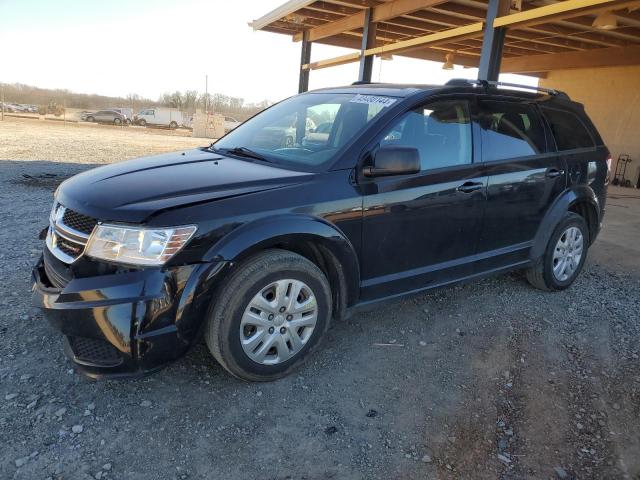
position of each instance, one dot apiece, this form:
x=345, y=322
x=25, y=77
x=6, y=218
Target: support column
x=493, y=41
x=305, y=58
x=368, y=41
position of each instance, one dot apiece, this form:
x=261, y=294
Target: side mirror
x=394, y=160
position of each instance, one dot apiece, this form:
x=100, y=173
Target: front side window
x=510, y=130
x=441, y=132
x=568, y=130
x=287, y=133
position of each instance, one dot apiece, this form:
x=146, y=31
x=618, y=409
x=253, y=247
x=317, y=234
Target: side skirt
x=372, y=304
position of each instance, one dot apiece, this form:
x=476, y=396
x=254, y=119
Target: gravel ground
x=490, y=379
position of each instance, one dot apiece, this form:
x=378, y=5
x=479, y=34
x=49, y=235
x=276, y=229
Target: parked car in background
x=318, y=135
x=159, y=116
x=105, y=116
x=258, y=246
x=230, y=123
x=127, y=112
x=283, y=133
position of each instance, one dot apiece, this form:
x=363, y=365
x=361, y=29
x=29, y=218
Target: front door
x=526, y=175
x=422, y=229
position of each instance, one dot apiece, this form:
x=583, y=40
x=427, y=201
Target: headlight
x=137, y=246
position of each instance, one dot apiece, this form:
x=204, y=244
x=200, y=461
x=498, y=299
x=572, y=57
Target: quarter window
x=568, y=130
x=440, y=131
x=510, y=130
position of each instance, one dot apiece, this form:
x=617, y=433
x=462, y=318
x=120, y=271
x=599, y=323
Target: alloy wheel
x=567, y=254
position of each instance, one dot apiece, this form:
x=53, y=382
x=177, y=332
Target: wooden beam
x=382, y=12
x=280, y=12
x=555, y=33
x=560, y=11
x=467, y=31
x=333, y=62
x=601, y=57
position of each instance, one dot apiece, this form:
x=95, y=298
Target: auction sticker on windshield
x=373, y=100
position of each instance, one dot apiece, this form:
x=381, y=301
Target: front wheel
x=117, y=121
x=269, y=316
x=564, y=256
x=173, y=125
x=142, y=123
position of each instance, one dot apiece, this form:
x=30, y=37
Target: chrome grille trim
x=59, y=233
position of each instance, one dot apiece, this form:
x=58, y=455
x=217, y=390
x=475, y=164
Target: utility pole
x=206, y=94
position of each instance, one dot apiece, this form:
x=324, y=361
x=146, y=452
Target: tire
x=542, y=275
x=127, y=122
x=173, y=125
x=117, y=121
x=91, y=119
x=142, y=123
x=227, y=320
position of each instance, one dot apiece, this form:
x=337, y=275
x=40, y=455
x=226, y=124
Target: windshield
x=306, y=132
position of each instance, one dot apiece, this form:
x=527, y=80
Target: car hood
x=134, y=190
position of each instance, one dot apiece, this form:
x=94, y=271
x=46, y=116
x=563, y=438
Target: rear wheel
x=173, y=125
x=269, y=316
x=564, y=256
x=117, y=121
x=90, y=119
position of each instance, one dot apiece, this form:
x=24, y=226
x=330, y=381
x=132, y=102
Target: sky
x=150, y=47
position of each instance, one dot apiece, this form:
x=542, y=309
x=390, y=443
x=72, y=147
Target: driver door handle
x=468, y=187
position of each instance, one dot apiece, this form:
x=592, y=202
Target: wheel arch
x=314, y=238
x=581, y=200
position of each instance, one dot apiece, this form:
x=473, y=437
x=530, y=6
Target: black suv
x=259, y=240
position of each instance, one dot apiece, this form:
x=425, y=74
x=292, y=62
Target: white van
x=166, y=117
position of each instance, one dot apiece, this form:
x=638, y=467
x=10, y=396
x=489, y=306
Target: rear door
x=422, y=229
x=525, y=175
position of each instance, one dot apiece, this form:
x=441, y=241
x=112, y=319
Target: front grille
x=70, y=248
x=68, y=233
x=78, y=221
x=91, y=351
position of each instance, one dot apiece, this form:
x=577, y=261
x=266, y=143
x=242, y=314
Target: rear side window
x=569, y=131
x=510, y=130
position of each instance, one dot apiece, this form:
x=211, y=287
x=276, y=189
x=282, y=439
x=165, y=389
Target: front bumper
x=131, y=323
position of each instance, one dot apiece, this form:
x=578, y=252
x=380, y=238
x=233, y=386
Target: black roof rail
x=363, y=82
x=487, y=84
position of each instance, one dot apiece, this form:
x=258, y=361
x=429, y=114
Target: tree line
x=188, y=101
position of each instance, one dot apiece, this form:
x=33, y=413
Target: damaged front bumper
x=127, y=323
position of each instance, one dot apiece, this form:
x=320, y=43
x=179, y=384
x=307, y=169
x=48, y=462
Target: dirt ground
x=487, y=380
x=30, y=139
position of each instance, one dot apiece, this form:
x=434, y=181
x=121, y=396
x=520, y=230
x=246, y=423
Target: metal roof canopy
x=511, y=36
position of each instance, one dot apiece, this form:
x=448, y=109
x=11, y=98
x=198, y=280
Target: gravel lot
x=491, y=379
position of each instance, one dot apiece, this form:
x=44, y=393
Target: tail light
x=609, y=160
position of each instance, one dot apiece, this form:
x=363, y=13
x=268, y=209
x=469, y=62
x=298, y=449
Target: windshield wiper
x=245, y=152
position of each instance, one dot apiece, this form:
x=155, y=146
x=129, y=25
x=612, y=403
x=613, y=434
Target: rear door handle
x=468, y=187
x=554, y=172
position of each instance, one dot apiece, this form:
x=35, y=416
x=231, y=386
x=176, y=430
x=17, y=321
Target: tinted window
x=568, y=130
x=440, y=131
x=510, y=130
